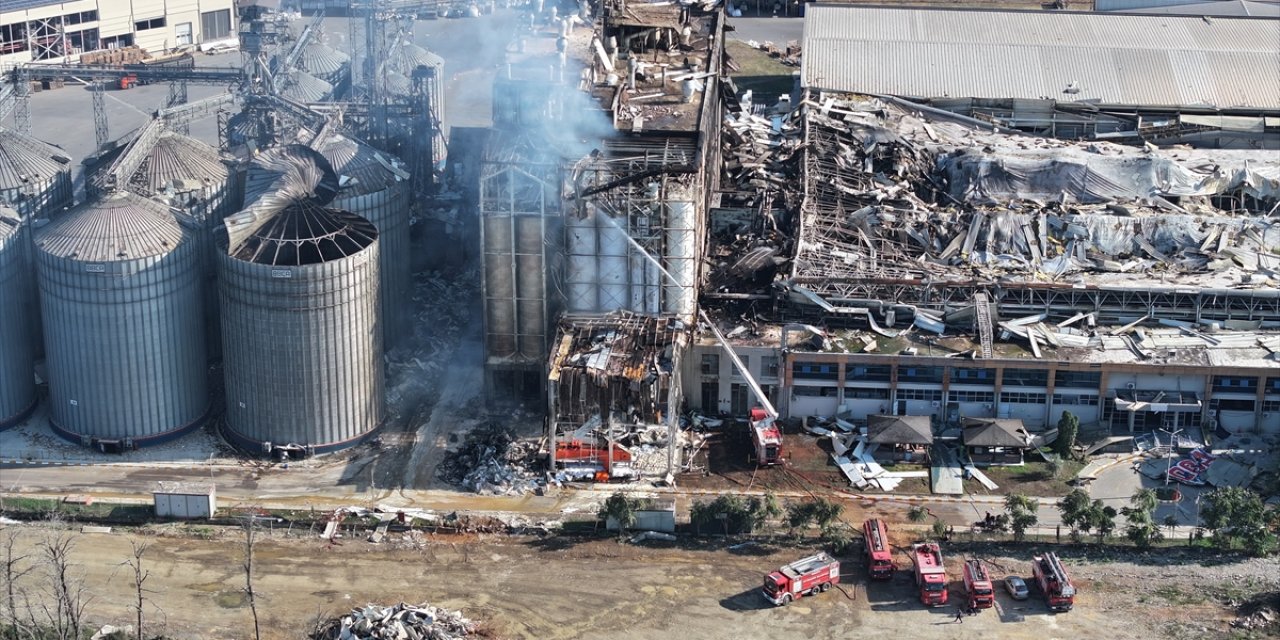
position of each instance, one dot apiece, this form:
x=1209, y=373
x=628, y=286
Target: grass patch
x=763, y=74
x=1032, y=478
x=1175, y=595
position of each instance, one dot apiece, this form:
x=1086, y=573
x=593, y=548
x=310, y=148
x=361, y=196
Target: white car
x=1016, y=587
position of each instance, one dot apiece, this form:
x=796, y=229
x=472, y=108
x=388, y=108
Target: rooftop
x=1119, y=59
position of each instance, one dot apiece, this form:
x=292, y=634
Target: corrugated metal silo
x=300, y=311
x=326, y=63
x=408, y=57
x=35, y=178
x=119, y=283
x=376, y=187
x=17, y=337
x=190, y=176
x=303, y=87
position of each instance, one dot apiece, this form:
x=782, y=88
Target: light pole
x=1169, y=455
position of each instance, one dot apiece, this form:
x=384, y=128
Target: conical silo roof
x=25, y=160
x=117, y=226
x=360, y=168
x=409, y=56
x=398, y=84
x=178, y=158
x=321, y=60
x=304, y=87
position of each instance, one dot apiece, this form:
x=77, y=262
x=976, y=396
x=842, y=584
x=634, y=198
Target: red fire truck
x=931, y=577
x=1056, y=586
x=801, y=578
x=766, y=438
x=879, y=556
x=977, y=585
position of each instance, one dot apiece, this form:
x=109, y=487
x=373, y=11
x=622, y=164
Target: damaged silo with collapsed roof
x=300, y=312
x=120, y=294
x=35, y=178
x=376, y=187
x=17, y=335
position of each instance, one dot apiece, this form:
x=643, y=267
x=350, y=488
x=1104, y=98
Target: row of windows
x=1085, y=400
x=985, y=397
x=919, y=394
x=1018, y=397
x=1234, y=384
x=1270, y=406
x=153, y=23
x=710, y=365
x=1224, y=404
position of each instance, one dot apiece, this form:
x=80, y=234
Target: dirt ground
x=562, y=588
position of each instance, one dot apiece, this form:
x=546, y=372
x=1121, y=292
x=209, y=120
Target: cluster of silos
x=299, y=284
x=191, y=177
x=120, y=294
x=17, y=333
x=406, y=60
x=376, y=187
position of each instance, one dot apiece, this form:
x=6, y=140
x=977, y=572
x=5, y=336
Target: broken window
x=919, y=374
x=1229, y=404
x=869, y=373
x=1232, y=384
x=801, y=391
x=710, y=364
x=769, y=366
x=859, y=393
x=966, y=375
x=814, y=371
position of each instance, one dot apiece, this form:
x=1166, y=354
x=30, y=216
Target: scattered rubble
x=401, y=622
x=492, y=462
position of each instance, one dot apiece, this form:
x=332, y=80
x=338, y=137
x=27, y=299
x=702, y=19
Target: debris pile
x=1261, y=613
x=402, y=622
x=492, y=462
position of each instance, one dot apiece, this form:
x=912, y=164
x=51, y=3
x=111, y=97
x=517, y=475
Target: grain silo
x=17, y=336
x=191, y=177
x=35, y=178
x=326, y=63
x=405, y=59
x=300, y=312
x=119, y=283
x=301, y=86
x=376, y=187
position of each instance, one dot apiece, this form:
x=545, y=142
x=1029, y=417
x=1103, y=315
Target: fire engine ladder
x=742, y=368
x=982, y=313
x=1055, y=568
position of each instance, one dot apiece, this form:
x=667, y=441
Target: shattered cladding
x=17, y=385
x=300, y=315
x=123, y=321
x=1069, y=56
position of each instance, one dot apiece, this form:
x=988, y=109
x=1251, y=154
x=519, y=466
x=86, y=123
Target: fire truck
x=1054, y=583
x=801, y=578
x=765, y=438
x=931, y=577
x=879, y=556
x=977, y=585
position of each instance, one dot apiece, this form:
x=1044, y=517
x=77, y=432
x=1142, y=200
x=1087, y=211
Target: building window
x=868, y=373
x=813, y=392
x=118, y=42
x=153, y=23
x=1026, y=378
x=1271, y=406
x=215, y=25
x=814, y=371
x=13, y=38
x=859, y=393
x=964, y=375
x=1232, y=384
x=920, y=394
x=1226, y=404
x=746, y=362
x=1086, y=400
x=1077, y=379
x=81, y=41
x=78, y=18
x=919, y=374
x=769, y=366
x=1273, y=386
x=710, y=364
x=183, y=33
x=985, y=397
x=1018, y=397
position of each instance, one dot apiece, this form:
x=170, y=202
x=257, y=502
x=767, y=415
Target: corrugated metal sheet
x=35, y=178
x=304, y=87
x=124, y=322
x=409, y=56
x=1115, y=59
x=1222, y=8
x=303, y=354
x=17, y=340
x=176, y=161
x=324, y=62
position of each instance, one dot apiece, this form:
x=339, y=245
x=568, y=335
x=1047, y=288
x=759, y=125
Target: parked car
x=1016, y=587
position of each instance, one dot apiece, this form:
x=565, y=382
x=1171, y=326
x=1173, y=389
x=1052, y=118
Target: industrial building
x=55, y=31
x=1072, y=233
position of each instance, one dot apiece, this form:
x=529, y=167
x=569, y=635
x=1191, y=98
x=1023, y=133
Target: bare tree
x=140, y=576
x=15, y=567
x=250, y=524
x=65, y=609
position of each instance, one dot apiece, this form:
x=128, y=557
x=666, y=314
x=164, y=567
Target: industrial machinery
x=931, y=576
x=875, y=538
x=977, y=585
x=1054, y=583
x=803, y=577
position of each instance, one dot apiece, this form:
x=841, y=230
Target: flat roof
x=1120, y=59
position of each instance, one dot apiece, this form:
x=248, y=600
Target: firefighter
x=960, y=615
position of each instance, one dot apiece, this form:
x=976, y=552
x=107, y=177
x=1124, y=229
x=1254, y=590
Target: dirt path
x=601, y=589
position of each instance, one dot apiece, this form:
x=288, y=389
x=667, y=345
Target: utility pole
x=1169, y=454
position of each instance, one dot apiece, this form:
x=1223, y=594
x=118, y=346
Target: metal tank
x=326, y=63
x=408, y=57
x=119, y=283
x=301, y=86
x=376, y=187
x=191, y=177
x=17, y=337
x=300, y=312
x=35, y=178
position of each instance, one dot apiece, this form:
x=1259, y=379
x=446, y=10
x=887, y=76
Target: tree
x=764, y=510
x=1022, y=514
x=734, y=514
x=250, y=529
x=13, y=567
x=939, y=528
x=69, y=598
x=1074, y=508
x=821, y=511
x=621, y=508
x=1237, y=515
x=917, y=514
x=140, y=576
x=1100, y=519
x=1068, y=429
x=1142, y=529
x=1171, y=521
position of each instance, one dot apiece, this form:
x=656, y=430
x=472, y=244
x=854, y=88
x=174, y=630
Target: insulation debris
x=401, y=622
x=491, y=462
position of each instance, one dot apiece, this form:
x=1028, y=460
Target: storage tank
x=35, y=178
x=300, y=312
x=17, y=338
x=326, y=63
x=376, y=187
x=404, y=60
x=191, y=177
x=119, y=283
x=301, y=86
